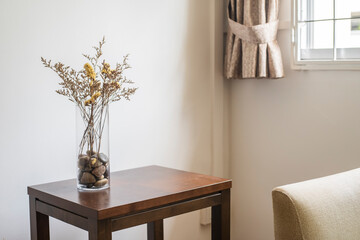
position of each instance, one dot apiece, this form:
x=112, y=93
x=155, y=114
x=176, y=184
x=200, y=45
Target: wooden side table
x=136, y=196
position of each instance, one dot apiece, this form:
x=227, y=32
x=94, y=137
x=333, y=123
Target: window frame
x=326, y=64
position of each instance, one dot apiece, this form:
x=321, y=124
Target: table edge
x=160, y=201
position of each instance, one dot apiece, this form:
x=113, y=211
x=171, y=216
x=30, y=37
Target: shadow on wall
x=195, y=109
x=196, y=105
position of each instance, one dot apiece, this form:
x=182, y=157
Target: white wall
x=168, y=121
x=304, y=126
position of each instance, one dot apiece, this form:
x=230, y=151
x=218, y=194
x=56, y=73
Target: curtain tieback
x=261, y=33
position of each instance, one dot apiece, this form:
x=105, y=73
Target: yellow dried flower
x=92, y=99
x=90, y=73
x=115, y=84
x=106, y=69
x=88, y=102
x=96, y=95
x=106, y=65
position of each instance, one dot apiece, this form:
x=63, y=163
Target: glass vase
x=92, y=139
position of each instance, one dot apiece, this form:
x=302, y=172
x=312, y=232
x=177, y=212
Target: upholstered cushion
x=325, y=208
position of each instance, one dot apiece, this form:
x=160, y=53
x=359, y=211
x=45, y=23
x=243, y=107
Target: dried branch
x=92, y=89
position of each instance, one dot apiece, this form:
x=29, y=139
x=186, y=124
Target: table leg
x=155, y=230
x=39, y=223
x=100, y=230
x=220, y=218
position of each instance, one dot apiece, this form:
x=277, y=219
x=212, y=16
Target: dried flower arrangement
x=92, y=89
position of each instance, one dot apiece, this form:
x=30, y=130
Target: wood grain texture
x=62, y=215
x=220, y=218
x=39, y=223
x=165, y=212
x=155, y=230
x=100, y=229
x=130, y=191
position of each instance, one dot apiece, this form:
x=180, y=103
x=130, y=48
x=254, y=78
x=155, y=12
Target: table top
x=130, y=191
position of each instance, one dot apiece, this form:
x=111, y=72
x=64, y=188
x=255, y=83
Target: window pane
x=347, y=39
x=347, y=8
x=315, y=10
x=316, y=40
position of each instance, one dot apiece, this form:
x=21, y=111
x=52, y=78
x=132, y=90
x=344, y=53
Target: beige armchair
x=325, y=208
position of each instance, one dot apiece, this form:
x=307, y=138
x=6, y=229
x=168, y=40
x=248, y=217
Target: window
x=326, y=34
